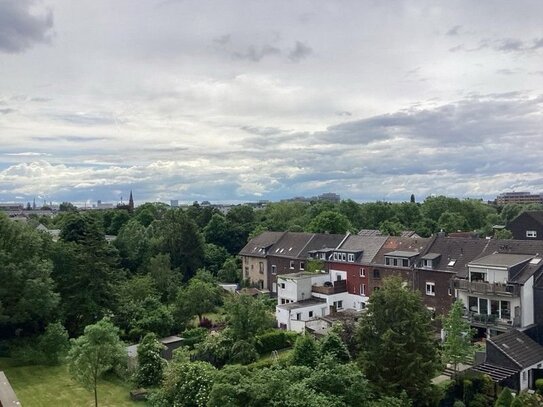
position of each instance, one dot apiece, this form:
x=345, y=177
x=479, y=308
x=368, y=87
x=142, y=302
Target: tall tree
x=330, y=222
x=457, y=347
x=96, y=352
x=247, y=316
x=197, y=298
x=397, y=350
x=150, y=362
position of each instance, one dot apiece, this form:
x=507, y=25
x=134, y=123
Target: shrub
x=193, y=336
x=459, y=403
x=274, y=340
x=205, y=323
x=54, y=344
x=539, y=386
x=243, y=352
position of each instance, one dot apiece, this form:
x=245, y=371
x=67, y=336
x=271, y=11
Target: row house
x=254, y=258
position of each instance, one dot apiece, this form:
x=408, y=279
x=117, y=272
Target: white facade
x=294, y=316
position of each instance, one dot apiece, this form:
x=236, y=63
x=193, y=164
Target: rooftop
x=401, y=253
x=519, y=347
x=501, y=260
x=303, y=304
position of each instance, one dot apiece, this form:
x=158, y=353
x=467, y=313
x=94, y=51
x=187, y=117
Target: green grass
x=38, y=386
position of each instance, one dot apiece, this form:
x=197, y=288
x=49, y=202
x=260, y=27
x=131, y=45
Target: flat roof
x=299, y=275
x=303, y=304
x=401, y=253
x=431, y=256
x=501, y=260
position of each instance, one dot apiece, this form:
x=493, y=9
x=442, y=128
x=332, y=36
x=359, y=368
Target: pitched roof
x=263, y=240
x=519, y=347
x=369, y=245
x=320, y=241
x=537, y=216
x=376, y=232
x=403, y=244
x=290, y=244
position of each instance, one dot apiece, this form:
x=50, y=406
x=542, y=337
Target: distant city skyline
x=236, y=100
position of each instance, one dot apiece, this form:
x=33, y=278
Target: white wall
x=289, y=316
x=335, y=273
x=527, y=302
x=493, y=275
x=350, y=301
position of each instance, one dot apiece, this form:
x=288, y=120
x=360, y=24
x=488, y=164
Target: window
x=335, y=256
x=252, y=267
x=302, y=265
x=292, y=264
x=449, y=291
x=405, y=263
x=310, y=314
x=350, y=257
x=338, y=304
x=299, y=316
x=274, y=269
x=343, y=256
x=387, y=261
x=323, y=256
x=362, y=272
x=430, y=288
x=362, y=289
x=261, y=267
x=451, y=262
x=531, y=233
x=282, y=285
x=246, y=271
x=283, y=301
x=376, y=274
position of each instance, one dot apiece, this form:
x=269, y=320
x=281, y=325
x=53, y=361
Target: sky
x=234, y=101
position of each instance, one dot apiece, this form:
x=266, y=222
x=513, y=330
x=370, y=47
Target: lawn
x=47, y=386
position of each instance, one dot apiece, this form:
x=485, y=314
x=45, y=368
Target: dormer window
x=343, y=256
x=350, y=257
x=531, y=233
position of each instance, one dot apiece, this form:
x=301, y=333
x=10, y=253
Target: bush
x=192, y=337
x=243, y=352
x=539, y=386
x=459, y=403
x=274, y=340
x=205, y=323
x=54, y=344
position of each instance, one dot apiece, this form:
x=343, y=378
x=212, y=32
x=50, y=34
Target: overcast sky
x=246, y=100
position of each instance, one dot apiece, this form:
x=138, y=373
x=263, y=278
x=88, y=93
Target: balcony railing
x=491, y=320
x=334, y=288
x=483, y=287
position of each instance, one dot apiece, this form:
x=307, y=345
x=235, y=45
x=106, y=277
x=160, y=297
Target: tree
x=333, y=346
x=230, y=271
x=67, y=207
x=330, y=222
x=166, y=280
x=457, y=346
x=451, y=222
x=96, y=352
x=503, y=234
x=392, y=228
x=305, y=352
x=150, y=363
x=214, y=257
x=395, y=336
x=247, y=316
x=133, y=245
x=197, y=298
x=54, y=343
x=185, y=384
x=505, y=398
x=412, y=199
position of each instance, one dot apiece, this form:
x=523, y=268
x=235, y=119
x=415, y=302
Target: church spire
x=131, y=202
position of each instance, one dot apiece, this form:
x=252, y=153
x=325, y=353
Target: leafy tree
x=54, y=343
x=96, y=352
x=28, y=300
x=330, y=222
x=510, y=212
x=179, y=237
x=280, y=216
x=457, y=346
x=150, y=362
x=333, y=346
x=166, y=280
x=247, y=316
x=67, y=207
x=80, y=228
x=374, y=213
x=392, y=228
x=503, y=234
x=396, y=347
x=315, y=265
x=133, y=245
x=214, y=257
x=118, y=220
x=244, y=352
x=217, y=231
x=352, y=211
x=505, y=398
x=230, y=271
x=451, y=222
x=197, y=298
x=305, y=352
x=185, y=384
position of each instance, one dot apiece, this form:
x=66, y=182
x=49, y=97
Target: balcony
x=483, y=287
x=485, y=320
x=329, y=288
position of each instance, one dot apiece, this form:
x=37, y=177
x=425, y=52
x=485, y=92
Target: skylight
x=535, y=260
x=451, y=263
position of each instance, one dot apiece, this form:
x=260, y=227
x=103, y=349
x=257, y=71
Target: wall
x=443, y=299
x=354, y=281
x=527, y=302
x=521, y=224
x=251, y=270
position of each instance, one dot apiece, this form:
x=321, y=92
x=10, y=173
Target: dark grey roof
x=501, y=260
x=302, y=304
x=537, y=216
x=519, y=347
x=527, y=271
x=496, y=373
x=398, y=243
x=402, y=253
x=263, y=240
x=431, y=256
x=290, y=244
x=321, y=241
x=375, y=232
x=369, y=245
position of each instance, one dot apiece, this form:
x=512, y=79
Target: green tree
x=133, y=245
x=185, y=384
x=197, y=298
x=330, y=222
x=54, y=343
x=503, y=234
x=244, y=352
x=457, y=346
x=451, y=222
x=395, y=336
x=505, y=398
x=96, y=352
x=392, y=228
x=230, y=271
x=247, y=316
x=305, y=352
x=150, y=362
x=333, y=346
x=166, y=280
x=214, y=257
x=67, y=207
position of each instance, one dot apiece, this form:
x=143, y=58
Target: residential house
x=527, y=226
x=254, y=258
x=513, y=360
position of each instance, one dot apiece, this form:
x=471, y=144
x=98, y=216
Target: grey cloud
x=506, y=45
x=255, y=54
x=453, y=31
x=506, y=71
x=261, y=131
x=21, y=27
x=87, y=119
x=7, y=111
x=223, y=39
x=75, y=139
x=300, y=51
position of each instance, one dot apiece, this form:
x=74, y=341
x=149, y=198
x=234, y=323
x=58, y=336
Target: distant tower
x=131, y=202
x=34, y=204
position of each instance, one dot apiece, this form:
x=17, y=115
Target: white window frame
x=291, y=265
x=431, y=288
x=350, y=257
x=531, y=233
x=310, y=314
x=274, y=269
x=343, y=256
x=362, y=272
x=362, y=289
